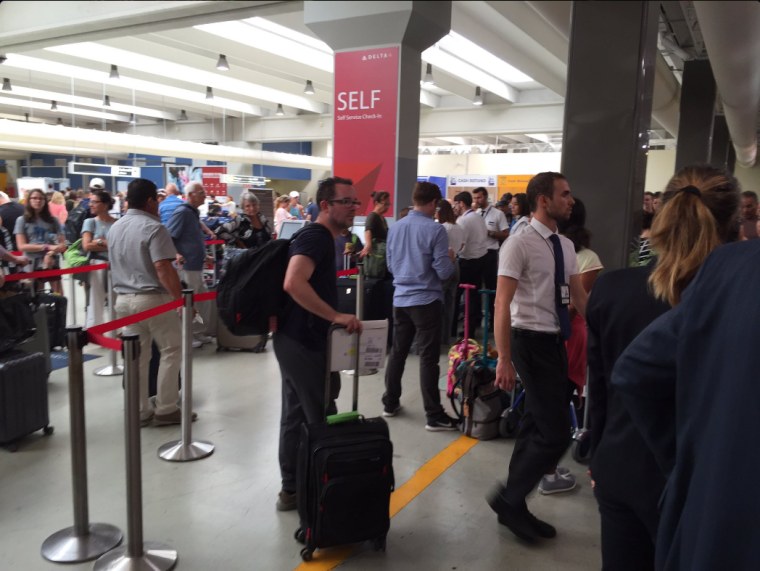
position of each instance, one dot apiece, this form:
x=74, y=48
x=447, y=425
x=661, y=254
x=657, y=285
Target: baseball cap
x=294, y=194
x=97, y=184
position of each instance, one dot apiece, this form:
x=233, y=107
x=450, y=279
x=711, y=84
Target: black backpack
x=73, y=226
x=250, y=292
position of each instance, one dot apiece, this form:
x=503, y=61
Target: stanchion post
x=136, y=554
x=215, y=272
x=186, y=449
x=113, y=369
x=73, y=299
x=84, y=541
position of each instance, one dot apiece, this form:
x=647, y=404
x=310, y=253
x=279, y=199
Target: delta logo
x=377, y=56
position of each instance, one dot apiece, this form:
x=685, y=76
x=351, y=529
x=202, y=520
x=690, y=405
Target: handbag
x=374, y=263
x=74, y=256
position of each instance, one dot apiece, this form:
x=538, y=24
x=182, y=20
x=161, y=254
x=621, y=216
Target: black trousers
x=425, y=320
x=628, y=533
x=490, y=270
x=471, y=272
x=303, y=398
x=541, y=361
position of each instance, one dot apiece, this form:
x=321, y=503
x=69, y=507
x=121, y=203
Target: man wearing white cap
x=295, y=208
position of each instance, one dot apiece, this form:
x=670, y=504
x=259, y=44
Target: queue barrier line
x=41, y=274
x=330, y=557
x=95, y=333
x=344, y=273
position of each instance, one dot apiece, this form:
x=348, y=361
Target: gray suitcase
x=40, y=341
x=226, y=341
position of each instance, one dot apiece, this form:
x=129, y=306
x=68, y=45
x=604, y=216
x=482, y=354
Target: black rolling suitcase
x=55, y=306
x=344, y=478
x=23, y=397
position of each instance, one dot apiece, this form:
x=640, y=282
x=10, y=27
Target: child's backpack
x=250, y=291
x=73, y=226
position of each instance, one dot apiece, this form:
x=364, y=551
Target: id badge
x=564, y=294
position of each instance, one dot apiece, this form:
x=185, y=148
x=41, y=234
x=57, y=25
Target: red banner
x=366, y=111
x=212, y=181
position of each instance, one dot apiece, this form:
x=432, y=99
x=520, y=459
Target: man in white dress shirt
x=497, y=230
x=538, y=278
x=472, y=258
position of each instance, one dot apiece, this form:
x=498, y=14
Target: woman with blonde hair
x=57, y=206
x=281, y=212
x=632, y=416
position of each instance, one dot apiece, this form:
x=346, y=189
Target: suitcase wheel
x=510, y=423
x=582, y=446
x=306, y=554
x=48, y=430
x=378, y=543
x=300, y=536
x=12, y=447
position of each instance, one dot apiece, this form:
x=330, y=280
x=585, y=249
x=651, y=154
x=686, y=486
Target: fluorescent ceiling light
x=167, y=69
x=29, y=104
x=68, y=71
x=463, y=48
x=91, y=102
x=71, y=140
x=458, y=67
x=278, y=40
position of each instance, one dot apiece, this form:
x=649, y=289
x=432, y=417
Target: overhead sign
x=472, y=180
x=104, y=170
x=244, y=179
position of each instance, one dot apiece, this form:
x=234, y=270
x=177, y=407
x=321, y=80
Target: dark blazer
x=703, y=359
x=619, y=308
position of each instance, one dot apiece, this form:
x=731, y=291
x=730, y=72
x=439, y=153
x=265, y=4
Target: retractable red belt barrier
x=40, y=274
x=344, y=273
x=214, y=242
x=95, y=333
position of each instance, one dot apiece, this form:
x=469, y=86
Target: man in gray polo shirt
x=141, y=254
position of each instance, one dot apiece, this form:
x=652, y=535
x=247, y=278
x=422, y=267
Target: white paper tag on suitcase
x=373, y=341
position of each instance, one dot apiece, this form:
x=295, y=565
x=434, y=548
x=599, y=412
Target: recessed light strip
x=64, y=70
x=185, y=73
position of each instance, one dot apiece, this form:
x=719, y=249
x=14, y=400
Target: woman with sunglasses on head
x=630, y=460
x=95, y=244
x=39, y=235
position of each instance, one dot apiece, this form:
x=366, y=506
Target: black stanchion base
x=65, y=546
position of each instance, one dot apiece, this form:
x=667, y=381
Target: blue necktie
x=559, y=278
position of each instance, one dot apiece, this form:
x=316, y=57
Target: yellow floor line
x=327, y=559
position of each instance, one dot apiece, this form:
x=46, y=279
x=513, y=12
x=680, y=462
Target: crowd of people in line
x=654, y=338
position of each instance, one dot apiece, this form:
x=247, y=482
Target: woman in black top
x=376, y=227
x=250, y=229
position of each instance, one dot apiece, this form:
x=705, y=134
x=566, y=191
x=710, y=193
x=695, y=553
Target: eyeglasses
x=346, y=202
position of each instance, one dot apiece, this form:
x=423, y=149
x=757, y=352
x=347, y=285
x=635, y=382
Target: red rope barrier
x=54, y=273
x=207, y=296
x=214, y=242
x=134, y=318
x=343, y=273
x=103, y=341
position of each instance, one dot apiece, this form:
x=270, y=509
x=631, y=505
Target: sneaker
x=286, y=501
x=562, y=471
x=197, y=344
x=560, y=483
x=205, y=339
x=146, y=419
x=389, y=411
x=171, y=418
x=441, y=423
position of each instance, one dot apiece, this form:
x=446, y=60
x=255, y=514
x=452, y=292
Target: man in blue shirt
x=169, y=204
x=185, y=228
x=419, y=258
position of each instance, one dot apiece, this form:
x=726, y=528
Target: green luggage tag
x=342, y=417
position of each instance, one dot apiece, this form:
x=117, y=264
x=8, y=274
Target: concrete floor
x=218, y=513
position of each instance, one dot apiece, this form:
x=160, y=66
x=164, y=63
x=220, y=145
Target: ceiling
x=166, y=54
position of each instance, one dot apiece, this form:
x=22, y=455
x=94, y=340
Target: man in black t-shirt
x=300, y=343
